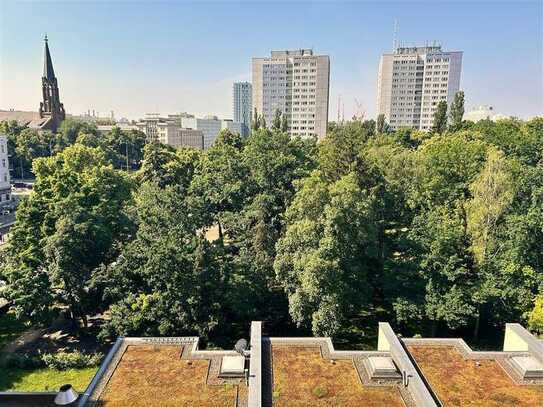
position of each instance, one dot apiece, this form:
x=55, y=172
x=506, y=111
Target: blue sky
x=137, y=57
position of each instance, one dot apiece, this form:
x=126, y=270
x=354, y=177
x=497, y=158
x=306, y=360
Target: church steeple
x=48, y=71
x=51, y=106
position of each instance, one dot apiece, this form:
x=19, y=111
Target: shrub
x=320, y=392
x=535, y=317
x=67, y=360
x=21, y=361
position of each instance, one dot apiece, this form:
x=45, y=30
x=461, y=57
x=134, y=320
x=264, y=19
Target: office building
x=210, y=127
x=297, y=84
x=172, y=134
x=159, y=128
x=242, y=105
x=413, y=80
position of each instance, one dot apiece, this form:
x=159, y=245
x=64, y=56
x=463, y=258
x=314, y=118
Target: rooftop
x=479, y=381
x=303, y=377
x=167, y=374
x=296, y=372
x=148, y=374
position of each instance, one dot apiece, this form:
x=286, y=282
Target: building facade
x=5, y=184
x=210, y=126
x=413, y=80
x=243, y=105
x=483, y=112
x=172, y=134
x=297, y=84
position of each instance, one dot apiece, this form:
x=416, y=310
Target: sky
x=175, y=56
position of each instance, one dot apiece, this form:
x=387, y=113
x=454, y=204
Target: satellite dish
x=241, y=346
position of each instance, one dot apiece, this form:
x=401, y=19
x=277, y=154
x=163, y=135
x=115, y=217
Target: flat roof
x=302, y=377
x=149, y=375
x=459, y=381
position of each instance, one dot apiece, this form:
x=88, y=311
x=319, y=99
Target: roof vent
x=66, y=395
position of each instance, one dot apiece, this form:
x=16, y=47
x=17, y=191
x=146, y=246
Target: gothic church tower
x=50, y=107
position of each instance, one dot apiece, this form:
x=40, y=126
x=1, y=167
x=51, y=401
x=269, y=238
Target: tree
x=493, y=192
x=31, y=144
x=70, y=129
x=535, y=319
x=164, y=165
x=440, y=118
x=381, y=126
x=69, y=226
x=276, y=125
x=323, y=260
x=256, y=120
x=284, y=124
x=457, y=111
x=220, y=181
x=168, y=280
x=262, y=122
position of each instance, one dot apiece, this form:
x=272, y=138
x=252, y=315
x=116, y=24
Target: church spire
x=48, y=71
x=51, y=107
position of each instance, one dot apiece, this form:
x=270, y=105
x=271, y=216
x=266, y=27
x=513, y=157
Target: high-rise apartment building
x=296, y=83
x=243, y=105
x=413, y=80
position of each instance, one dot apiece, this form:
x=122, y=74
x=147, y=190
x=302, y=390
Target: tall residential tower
x=413, y=80
x=243, y=94
x=297, y=84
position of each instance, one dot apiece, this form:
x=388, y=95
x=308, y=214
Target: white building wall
x=297, y=84
x=5, y=184
x=412, y=81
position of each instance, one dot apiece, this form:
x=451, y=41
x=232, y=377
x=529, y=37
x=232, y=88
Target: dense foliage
x=433, y=231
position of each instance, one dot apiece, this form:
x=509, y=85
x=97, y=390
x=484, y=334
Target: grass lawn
x=45, y=379
x=10, y=328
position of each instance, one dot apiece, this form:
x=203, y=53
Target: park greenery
x=436, y=232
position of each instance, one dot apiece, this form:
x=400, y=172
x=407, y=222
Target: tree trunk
x=477, y=324
x=433, y=329
x=220, y=229
x=85, y=320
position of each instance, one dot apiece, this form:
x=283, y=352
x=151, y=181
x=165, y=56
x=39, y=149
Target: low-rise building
x=483, y=112
x=153, y=125
x=106, y=128
x=172, y=134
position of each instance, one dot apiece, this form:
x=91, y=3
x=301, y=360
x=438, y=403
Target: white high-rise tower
x=413, y=80
x=297, y=83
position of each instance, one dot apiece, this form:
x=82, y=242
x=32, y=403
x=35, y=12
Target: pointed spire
x=48, y=71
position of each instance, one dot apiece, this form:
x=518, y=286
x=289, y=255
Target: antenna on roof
x=395, y=35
